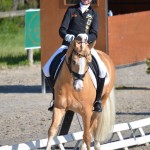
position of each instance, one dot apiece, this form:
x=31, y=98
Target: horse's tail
x=106, y=119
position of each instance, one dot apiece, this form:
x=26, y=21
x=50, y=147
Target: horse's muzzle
x=78, y=85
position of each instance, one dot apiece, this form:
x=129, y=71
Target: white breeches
x=101, y=65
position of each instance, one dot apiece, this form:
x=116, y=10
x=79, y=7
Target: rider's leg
x=51, y=84
x=100, y=81
x=99, y=91
x=46, y=69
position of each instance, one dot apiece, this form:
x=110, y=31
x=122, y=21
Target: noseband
x=76, y=75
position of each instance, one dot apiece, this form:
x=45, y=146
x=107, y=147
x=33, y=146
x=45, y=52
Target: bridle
x=74, y=74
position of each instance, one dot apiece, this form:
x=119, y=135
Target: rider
x=81, y=20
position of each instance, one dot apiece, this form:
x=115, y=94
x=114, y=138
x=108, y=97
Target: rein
x=76, y=75
x=80, y=55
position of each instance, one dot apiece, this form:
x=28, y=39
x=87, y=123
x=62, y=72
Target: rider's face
x=85, y=2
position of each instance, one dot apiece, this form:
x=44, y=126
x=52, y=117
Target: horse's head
x=78, y=60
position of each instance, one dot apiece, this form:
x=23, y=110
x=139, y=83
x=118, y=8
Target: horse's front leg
x=57, y=116
x=94, y=122
x=86, y=116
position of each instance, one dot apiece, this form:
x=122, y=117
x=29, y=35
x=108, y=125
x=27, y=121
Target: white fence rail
x=12, y=13
x=134, y=140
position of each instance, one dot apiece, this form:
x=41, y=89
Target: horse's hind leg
x=97, y=145
x=57, y=116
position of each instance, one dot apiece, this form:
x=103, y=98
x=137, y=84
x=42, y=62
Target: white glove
x=69, y=37
x=83, y=36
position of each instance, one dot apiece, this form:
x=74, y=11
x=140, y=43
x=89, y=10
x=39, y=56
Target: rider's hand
x=84, y=36
x=69, y=37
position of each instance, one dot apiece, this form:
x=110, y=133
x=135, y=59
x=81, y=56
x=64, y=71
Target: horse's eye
x=73, y=62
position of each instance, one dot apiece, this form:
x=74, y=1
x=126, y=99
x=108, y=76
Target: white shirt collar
x=84, y=7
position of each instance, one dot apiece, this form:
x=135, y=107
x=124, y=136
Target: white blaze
x=81, y=65
x=78, y=84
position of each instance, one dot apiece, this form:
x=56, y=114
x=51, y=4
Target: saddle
x=57, y=64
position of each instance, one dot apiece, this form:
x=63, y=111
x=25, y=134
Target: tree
x=17, y=4
x=25, y=4
x=33, y=3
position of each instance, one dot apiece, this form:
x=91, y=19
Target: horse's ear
x=91, y=45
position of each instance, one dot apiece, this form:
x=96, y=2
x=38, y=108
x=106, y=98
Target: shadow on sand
x=20, y=89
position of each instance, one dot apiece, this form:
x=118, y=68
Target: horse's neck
x=65, y=75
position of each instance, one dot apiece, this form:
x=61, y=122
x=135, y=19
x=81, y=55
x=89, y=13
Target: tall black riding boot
x=51, y=84
x=98, y=101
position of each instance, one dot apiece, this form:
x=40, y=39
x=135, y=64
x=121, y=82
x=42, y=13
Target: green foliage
x=19, y=59
x=33, y=3
x=12, y=52
x=11, y=25
x=30, y=4
x=148, y=64
x=6, y=5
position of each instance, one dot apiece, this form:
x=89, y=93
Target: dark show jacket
x=74, y=22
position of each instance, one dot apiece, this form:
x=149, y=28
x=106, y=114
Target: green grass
x=12, y=52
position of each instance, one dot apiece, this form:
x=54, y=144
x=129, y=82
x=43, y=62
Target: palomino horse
x=74, y=90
